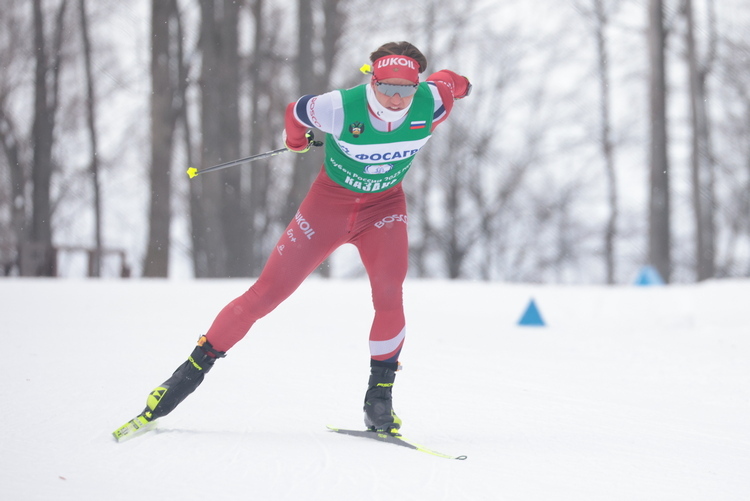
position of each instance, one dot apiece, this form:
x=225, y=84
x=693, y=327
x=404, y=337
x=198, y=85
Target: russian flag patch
x=418, y=124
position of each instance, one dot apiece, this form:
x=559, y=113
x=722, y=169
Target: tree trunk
x=18, y=199
x=605, y=141
x=219, y=236
x=163, y=93
x=95, y=265
x=701, y=156
x=234, y=208
x=260, y=75
x=659, y=204
x=38, y=258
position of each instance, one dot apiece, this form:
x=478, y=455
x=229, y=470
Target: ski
x=393, y=438
x=133, y=428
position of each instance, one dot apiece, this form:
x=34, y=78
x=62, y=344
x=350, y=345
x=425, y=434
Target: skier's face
x=395, y=102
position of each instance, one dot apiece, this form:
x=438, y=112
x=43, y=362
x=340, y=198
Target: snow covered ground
x=627, y=393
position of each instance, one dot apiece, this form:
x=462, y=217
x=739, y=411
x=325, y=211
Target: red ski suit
x=330, y=216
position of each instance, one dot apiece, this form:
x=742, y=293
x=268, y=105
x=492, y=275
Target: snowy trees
x=572, y=160
x=49, y=134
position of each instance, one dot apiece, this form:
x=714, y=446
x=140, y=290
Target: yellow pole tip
x=192, y=172
x=366, y=68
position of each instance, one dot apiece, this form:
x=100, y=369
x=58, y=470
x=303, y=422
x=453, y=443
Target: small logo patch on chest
x=357, y=128
x=378, y=169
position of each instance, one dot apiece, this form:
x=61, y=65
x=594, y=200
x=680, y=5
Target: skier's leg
x=383, y=249
x=231, y=324
x=384, y=252
x=317, y=229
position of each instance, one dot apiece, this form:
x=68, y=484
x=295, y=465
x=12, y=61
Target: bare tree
x=10, y=138
x=605, y=138
x=702, y=162
x=260, y=85
x=659, y=240
x=219, y=236
x=733, y=154
x=164, y=92
x=38, y=258
x=95, y=264
x=599, y=12
x=17, y=194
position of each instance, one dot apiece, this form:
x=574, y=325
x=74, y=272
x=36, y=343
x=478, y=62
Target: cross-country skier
x=373, y=131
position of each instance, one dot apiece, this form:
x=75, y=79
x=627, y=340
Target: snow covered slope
x=627, y=393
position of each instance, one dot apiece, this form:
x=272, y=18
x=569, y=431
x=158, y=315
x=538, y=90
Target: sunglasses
x=391, y=90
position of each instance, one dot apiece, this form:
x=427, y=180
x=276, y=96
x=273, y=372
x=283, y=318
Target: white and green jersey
x=365, y=154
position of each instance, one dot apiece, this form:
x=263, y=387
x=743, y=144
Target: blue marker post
x=649, y=276
x=531, y=317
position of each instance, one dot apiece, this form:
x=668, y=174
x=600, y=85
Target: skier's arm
x=450, y=86
x=295, y=132
x=308, y=112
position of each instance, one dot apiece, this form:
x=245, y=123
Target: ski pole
x=192, y=171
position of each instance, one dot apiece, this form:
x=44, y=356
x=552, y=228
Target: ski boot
x=163, y=399
x=379, y=413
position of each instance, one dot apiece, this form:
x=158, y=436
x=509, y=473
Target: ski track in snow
x=627, y=393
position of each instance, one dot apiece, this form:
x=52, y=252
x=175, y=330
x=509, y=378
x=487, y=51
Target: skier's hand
x=309, y=137
x=461, y=86
x=458, y=85
x=467, y=90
